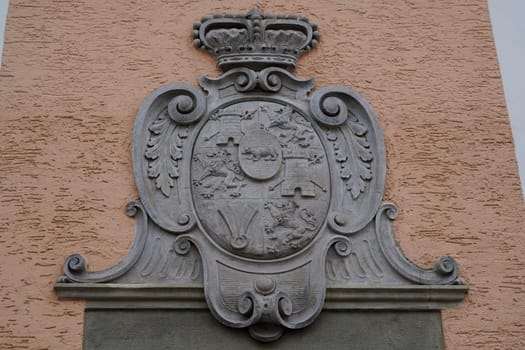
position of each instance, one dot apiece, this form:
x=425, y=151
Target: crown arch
x=255, y=40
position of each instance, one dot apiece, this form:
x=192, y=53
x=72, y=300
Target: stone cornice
x=358, y=297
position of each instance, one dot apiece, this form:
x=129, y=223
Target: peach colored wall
x=74, y=74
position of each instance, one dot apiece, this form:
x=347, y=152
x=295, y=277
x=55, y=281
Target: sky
x=508, y=27
x=3, y=15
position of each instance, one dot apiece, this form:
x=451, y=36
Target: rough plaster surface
x=75, y=73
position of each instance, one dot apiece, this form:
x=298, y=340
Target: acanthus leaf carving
x=161, y=136
x=164, y=150
x=164, y=263
x=354, y=137
x=361, y=265
x=349, y=137
x=354, y=156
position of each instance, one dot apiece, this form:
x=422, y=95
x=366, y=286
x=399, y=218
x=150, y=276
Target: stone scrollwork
x=258, y=190
x=164, y=147
x=161, y=153
x=328, y=106
x=271, y=79
x=357, y=149
x=182, y=245
x=187, y=106
x=164, y=151
x=75, y=266
x=343, y=246
x=445, y=270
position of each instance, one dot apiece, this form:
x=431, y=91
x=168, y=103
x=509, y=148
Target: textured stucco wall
x=74, y=74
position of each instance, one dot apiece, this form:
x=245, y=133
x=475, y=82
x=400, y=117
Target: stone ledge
x=356, y=297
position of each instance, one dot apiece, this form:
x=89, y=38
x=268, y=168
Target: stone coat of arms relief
x=259, y=188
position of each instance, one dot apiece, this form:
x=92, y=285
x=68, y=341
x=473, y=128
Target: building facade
x=74, y=75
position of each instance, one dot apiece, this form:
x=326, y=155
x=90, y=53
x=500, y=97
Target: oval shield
x=260, y=181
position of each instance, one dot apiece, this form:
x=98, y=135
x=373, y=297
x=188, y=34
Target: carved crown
x=255, y=40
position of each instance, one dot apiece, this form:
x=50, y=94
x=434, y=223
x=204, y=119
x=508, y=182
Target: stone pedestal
x=138, y=317
x=197, y=329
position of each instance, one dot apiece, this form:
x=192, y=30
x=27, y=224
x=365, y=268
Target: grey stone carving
x=257, y=189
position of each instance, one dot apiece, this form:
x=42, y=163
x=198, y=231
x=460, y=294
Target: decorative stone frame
x=335, y=250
